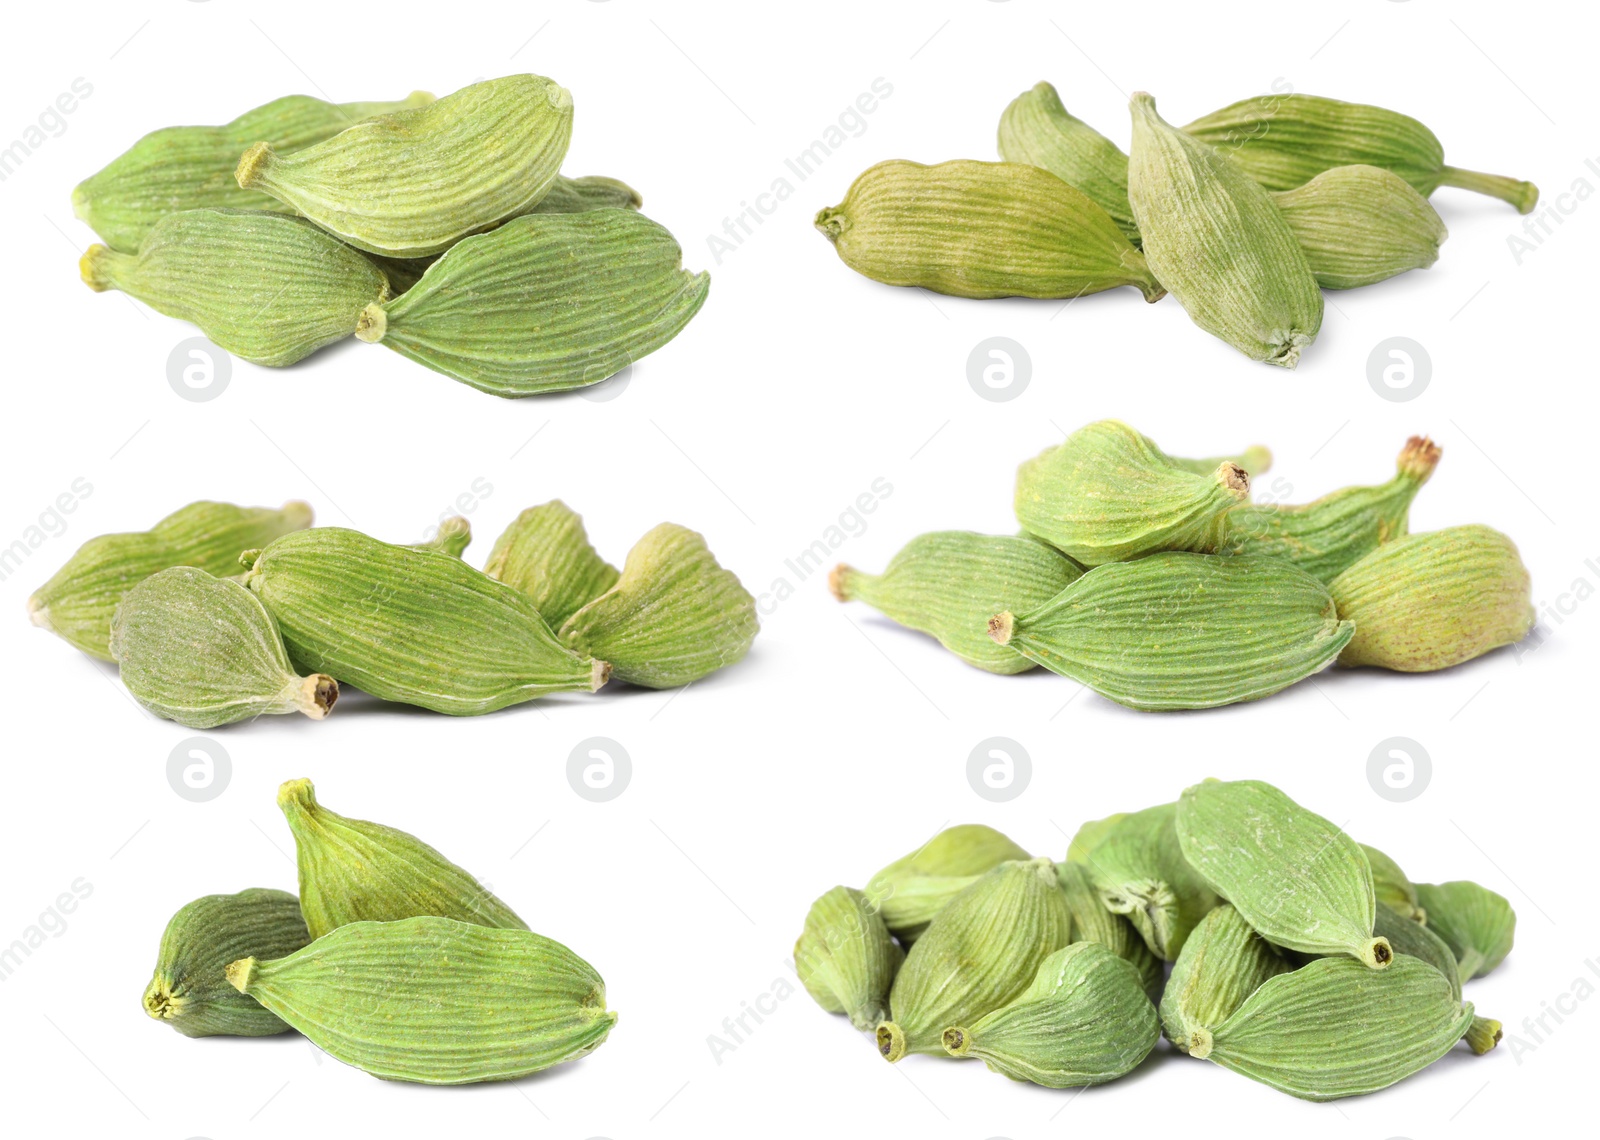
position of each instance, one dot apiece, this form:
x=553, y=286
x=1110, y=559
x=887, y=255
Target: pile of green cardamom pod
x=440, y=228
x=203, y=642
x=1244, y=216
x=1156, y=582
x=1298, y=957
x=392, y=959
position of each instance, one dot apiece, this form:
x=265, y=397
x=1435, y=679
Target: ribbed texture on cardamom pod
x=909, y=892
x=1391, y=887
x=545, y=553
x=1359, y=225
x=1037, y=130
x=590, y=192
x=1477, y=924
x=1222, y=963
x=846, y=958
x=1409, y=937
x=1092, y=922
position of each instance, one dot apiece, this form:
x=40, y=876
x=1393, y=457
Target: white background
x=842, y=741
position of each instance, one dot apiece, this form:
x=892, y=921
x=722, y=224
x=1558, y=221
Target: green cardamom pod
x=1183, y=631
x=435, y=1001
x=452, y=537
x=1359, y=225
x=1476, y=923
x=416, y=626
x=1294, y=876
x=80, y=600
x=1092, y=922
x=673, y=616
x=1216, y=240
x=909, y=892
x=846, y=958
x=1254, y=461
x=1286, y=140
x=948, y=583
x=1109, y=494
x=266, y=287
x=545, y=553
x=415, y=182
x=188, y=990
x=1083, y=1020
x=1430, y=601
x=1407, y=936
x=1037, y=130
x=1328, y=536
x=204, y=651
x=981, y=229
x=189, y=168
x=355, y=871
x=1393, y=889
x=978, y=953
x=544, y=303
x=1223, y=962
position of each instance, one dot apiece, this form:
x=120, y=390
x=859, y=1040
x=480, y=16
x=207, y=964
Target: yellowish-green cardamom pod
x=355, y=871
x=1256, y=460
x=416, y=626
x=948, y=583
x=204, y=651
x=1430, y=601
x=1215, y=239
x=1183, y=631
x=1477, y=924
x=1392, y=888
x=1294, y=876
x=435, y=1001
x=909, y=892
x=1223, y=962
x=545, y=553
x=981, y=229
x=846, y=958
x=1092, y=922
x=79, y=601
x=1083, y=1020
x=188, y=990
x=1359, y=225
x=979, y=952
x=414, y=182
x=673, y=616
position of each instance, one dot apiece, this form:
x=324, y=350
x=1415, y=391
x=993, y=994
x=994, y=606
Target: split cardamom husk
x=1092, y=922
x=909, y=892
x=1037, y=130
x=545, y=553
x=1477, y=924
x=1392, y=889
x=1359, y=225
x=1222, y=963
x=846, y=958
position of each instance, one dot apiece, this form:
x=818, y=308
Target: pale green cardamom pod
x=1215, y=239
x=1291, y=874
x=846, y=958
x=1223, y=962
x=1476, y=923
x=545, y=553
x=1092, y=922
x=1183, y=631
x=80, y=599
x=1359, y=225
x=948, y=583
x=413, y=183
x=1329, y=535
x=909, y=892
x=452, y=537
x=1083, y=1020
x=355, y=871
x=436, y=1001
x=1255, y=461
x=188, y=990
x=1407, y=936
x=673, y=616
x=544, y=303
x=266, y=287
x=981, y=229
x=1430, y=601
x=978, y=953
x=416, y=626
x=1392, y=888
x=1037, y=130
x=204, y=651
x=1109, y=494
x=188, y=168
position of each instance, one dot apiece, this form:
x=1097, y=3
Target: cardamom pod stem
x=1037, y=130
x=909, y=892
x=452, y=537
x=846, y=958
x=1484, y=1034
x=1523, y=195
x=545, y=553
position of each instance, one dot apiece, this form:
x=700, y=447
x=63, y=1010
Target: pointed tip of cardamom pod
x=1142, y=101
x=1200, y=1043
x=80, y=202
x=560, y=98
x=1483, y=1034
x=1420, y=916
x=298, y=513
x=317, y=696
x=1288, y=353
x=840, y=579
x=39, y=613
x=372, y=323
x=297, y=794
x=249, y=558
x=252, y=164
x=599, y=674
x=1377, y=954
x=92, y=265
x=1001, y=626
x=830, y=222
x=891, y=1041
x=957, y=1042
x=1419, y=457
x=240, y=974
x=162, y=1004
x=1234, y=479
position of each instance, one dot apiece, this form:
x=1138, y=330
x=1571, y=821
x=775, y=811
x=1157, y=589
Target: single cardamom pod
x=1333, y=1028
x=1430, y=601
x=1083, y=1020
x=1359, y=225
x=189, y=168
x=1183, y=631
x=947, y=584
x=435, y=1001
x=266, y=287
x=80, y=599
x=1291, y=874
x=452, y=536
x=544, y=303
x=1223, y=962
x=1092, y=922
x=1328, y=536
x=1215, y=239
x=415, y=182
x=1254, y=461
x=981, y=229
x=673, y=616
x=416, y=626
x=1109, y=494
x=846, y=958
x=1286, y=140
x=355, y=871
x=204, y=652
x=1037, y=130
x=1476, y=923
x=909, y=892
x=1393, y=889
x=545, y=553
x=188, y=990
x=979, y=952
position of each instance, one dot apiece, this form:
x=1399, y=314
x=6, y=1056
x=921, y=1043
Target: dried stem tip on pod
x=846, y=958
